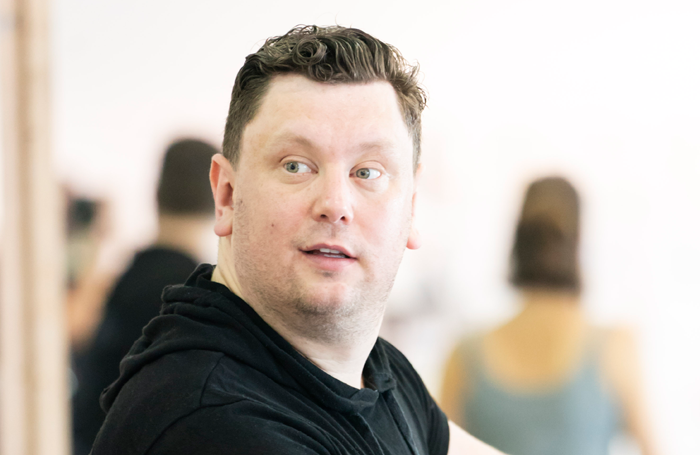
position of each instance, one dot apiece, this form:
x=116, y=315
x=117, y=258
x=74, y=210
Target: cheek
x=389, y=222
x=274, y=217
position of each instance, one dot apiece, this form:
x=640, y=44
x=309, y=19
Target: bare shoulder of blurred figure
x=185, y=220
x=548, y=382
x=623, y=369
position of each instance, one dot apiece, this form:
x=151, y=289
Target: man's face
x=322, y=199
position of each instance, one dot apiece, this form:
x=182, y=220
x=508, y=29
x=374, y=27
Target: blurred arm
x=624, y=369
x=85, y=305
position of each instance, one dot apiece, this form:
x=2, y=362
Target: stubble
x=282, y=298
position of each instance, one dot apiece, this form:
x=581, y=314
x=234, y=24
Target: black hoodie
x=209, y=376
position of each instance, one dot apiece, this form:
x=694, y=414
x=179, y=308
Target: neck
x=547, y=311
x=184, y=233
x=565, y=300
x=342, y=360
x=343, y=356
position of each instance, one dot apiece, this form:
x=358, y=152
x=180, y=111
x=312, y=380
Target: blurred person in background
x=94, y=263
x=548, y=382
x=185, y=219
x=84, y=233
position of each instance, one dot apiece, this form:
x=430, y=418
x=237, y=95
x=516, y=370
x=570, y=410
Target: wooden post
x=34, y=397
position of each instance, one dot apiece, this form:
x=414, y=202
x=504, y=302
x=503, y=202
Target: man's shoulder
x=158, y=394
x=249, y=426
x=206, y=398
x=422, y=412
x=399, y=364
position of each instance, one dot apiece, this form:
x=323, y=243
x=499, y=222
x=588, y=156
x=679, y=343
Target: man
x=185, y=217
x=276, y=350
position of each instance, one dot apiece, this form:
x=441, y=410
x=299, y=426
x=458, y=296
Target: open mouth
x=329, y=253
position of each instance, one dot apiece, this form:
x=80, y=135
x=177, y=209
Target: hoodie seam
x=206, y=381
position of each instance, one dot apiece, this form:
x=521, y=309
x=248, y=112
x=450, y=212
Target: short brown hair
x=545, y=251
x=183, y=186
x=323, y=54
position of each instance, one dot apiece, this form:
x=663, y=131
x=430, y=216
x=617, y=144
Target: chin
x=329, y=300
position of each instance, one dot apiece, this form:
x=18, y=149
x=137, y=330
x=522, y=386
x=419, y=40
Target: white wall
x=605, y=92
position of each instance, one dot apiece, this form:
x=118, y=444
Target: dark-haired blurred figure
x=185, y=217
x=548, y=382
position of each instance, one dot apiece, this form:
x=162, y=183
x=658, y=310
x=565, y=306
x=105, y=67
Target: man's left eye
x=296, y=167
x=367, y=174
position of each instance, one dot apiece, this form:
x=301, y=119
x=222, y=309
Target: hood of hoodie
x=204, y=315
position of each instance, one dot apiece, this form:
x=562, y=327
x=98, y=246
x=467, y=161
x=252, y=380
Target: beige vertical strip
x=12, y=350
x=33, y=350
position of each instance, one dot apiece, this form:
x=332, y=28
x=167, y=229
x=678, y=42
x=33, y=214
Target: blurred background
x=604, y=93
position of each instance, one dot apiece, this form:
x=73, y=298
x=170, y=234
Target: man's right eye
x=295, y=167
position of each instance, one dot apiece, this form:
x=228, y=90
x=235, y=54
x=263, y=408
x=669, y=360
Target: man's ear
x=414, y=240
x=221, y=177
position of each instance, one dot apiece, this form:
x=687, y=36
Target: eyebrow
x=287, y=137
x=294, y=138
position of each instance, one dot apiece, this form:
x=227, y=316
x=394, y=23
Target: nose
x=333, y=202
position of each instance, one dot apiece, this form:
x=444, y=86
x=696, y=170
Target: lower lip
x=330, y=264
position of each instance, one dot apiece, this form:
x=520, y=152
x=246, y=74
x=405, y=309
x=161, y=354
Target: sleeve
x=220, y=430
x=431, y=421
x=439, y=431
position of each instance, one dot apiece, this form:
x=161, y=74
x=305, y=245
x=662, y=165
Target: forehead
x=343, y=115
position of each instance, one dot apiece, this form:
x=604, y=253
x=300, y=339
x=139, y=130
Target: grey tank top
x=578, y=417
